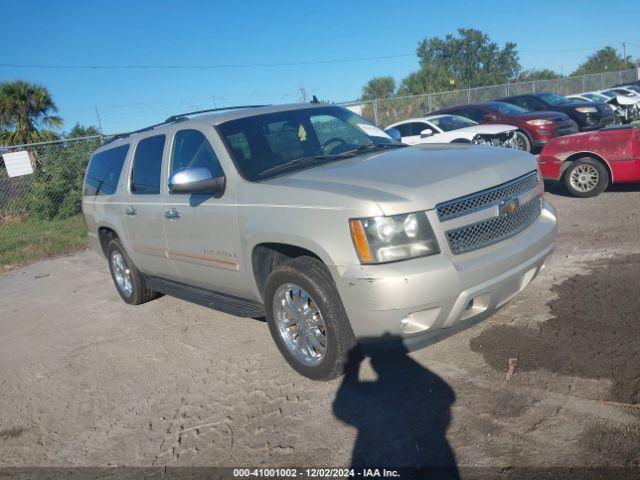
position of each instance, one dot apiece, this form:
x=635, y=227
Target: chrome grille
x=486, y=198
x=496, y=229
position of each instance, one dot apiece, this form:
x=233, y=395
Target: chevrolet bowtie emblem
x=508, y=207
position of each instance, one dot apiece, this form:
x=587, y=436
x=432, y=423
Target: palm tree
x=26, y=113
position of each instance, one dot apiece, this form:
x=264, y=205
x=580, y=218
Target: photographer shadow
x=401, y=417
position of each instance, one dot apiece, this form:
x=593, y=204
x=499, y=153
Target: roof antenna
x=314, y=99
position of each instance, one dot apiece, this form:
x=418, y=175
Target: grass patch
x=27, y=240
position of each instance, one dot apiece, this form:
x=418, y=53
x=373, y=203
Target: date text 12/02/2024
x=315, y=473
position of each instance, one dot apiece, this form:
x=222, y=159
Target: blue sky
x=288, y=31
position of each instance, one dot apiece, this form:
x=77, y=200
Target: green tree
x=379, y=87
x=57, y=182
x=605, y=59
x=27, y=111
x=79, y=131
x=534, y=74
x=470, y=57
x=430, y=78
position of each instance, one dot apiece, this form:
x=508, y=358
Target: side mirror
x=427, y=132
x=490, y=117
x=196, y=180
x=394, y=133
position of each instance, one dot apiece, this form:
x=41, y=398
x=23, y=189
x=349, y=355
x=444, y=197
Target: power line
x=248, y=65
x=199, y=67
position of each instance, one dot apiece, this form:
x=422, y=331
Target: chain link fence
x=389, y=110
x=40, y=211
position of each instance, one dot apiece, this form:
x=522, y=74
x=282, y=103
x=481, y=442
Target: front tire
x=586, y=177
x=307, y=319
x=522, y=142
x=128, y=280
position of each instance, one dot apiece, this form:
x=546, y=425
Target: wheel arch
x=586, y=154
x=526, y=134
x=267, y=256
x=106, y=233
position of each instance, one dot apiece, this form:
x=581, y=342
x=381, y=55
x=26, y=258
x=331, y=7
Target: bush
x=56, y=190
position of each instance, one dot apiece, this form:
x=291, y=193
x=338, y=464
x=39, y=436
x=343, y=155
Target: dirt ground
x=86, y=380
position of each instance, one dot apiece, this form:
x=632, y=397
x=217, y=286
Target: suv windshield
x=447, y=123
x=553, y=99
x=506, y=108
x=282, y=142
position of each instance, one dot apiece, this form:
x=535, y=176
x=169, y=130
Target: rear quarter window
x=104, y=171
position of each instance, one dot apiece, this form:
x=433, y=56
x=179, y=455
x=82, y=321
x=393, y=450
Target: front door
x=202, y=231
x=412, y=134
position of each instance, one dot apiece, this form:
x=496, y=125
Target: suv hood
x=411, y=178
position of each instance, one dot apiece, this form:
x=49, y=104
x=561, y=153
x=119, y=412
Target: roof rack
x=179, y=118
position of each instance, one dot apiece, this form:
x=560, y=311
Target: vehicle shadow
x=559, y=189
x=401, y=417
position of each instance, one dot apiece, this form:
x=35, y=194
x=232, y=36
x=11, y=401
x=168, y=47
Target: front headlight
x=538, y=122
x=586, y=109
x=394, y=238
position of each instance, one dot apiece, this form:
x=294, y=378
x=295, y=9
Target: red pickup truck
x=589, y=162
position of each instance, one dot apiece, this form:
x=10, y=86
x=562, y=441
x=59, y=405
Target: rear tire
x=586, y=177
x=128, y=280
x=307, y=319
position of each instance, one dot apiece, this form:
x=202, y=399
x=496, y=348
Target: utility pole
x=624, y=52
x=99, y=122
x=303, y=94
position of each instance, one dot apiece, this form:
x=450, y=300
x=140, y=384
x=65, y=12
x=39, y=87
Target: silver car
x=341, y=236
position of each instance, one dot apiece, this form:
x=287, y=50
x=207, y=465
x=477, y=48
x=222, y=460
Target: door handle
x=131, y=211
x=172, y=214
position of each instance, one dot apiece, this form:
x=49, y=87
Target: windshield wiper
x=375, y=146
x=304, y=161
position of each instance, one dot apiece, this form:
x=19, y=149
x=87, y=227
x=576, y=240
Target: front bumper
x=424, y=300
x=588, y=123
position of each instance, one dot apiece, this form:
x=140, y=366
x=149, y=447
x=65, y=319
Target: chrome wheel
x=584, y=178
x=121, y=273
x=518, y=142
x=300, y=324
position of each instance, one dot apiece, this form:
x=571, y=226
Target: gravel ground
x=86, y=380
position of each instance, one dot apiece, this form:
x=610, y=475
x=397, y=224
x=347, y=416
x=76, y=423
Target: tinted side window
x=191, y=149
x=147, y=166
x=404, y=129
x=533, y=104
x=519, y=101
x=417, y=127
x=475, y=114
x=104, y=171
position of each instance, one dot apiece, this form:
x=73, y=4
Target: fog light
x=419, y=321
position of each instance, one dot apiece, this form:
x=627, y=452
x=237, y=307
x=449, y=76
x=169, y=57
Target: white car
x=626, y=108
x=623, y=91
x=589, y=97
x=452, y=129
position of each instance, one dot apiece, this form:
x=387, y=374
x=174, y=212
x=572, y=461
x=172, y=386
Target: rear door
x=142, y=208
x=202, y=230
